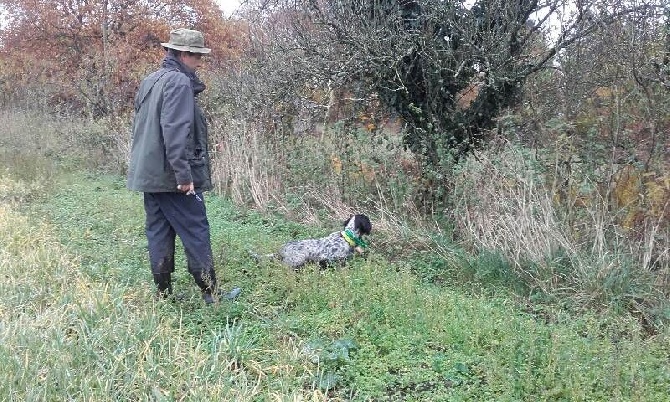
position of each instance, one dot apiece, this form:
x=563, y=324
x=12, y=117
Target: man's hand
x=186, y=188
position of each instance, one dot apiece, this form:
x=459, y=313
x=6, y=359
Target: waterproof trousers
x=175, y=214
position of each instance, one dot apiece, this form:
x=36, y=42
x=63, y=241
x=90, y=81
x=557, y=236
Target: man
x=169, y=163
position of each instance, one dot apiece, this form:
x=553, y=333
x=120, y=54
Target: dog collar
x=352, y=239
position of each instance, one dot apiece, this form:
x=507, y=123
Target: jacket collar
x=172, y=62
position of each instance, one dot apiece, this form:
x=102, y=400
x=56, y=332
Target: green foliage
x=437, y=52
x=496, y=316
x=89, y=328
x=332, y=359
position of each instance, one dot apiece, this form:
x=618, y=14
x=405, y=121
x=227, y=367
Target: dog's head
x=359, y=224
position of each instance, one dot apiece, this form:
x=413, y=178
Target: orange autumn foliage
x=91, y=54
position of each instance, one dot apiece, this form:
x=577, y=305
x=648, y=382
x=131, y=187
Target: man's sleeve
x=176, y=121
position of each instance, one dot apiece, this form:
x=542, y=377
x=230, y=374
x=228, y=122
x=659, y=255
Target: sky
x=228, y=6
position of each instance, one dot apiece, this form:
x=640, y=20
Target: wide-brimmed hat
x=187, y=40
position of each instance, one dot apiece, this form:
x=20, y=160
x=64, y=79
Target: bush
x=507, y=202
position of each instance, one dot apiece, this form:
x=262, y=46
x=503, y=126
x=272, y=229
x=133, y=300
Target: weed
x=78, y=320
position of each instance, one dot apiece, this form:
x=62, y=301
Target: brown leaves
x=99, y=50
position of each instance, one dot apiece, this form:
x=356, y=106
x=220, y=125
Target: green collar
x=352, y=239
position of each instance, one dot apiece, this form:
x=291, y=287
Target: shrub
x=507, y=202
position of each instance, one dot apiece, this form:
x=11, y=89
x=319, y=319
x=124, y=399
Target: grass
x=418, y=319
x=78, y=321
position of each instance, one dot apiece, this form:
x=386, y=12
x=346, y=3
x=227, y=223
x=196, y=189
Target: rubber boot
x=163, y=285
x=206, y=281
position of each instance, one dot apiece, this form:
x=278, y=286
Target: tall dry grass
x=243, y=166
x=36, y=137
x=323, y=175
x=506, y=202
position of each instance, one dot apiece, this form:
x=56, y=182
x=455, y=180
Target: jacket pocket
x=200, y=173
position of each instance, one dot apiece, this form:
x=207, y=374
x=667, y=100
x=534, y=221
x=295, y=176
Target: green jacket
x=169, y=133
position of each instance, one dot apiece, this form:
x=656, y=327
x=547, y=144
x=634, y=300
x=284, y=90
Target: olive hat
x=187, y=40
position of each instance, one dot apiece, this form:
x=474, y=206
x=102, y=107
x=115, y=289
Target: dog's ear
x=362, y=224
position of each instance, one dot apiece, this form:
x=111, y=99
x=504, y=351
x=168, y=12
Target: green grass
x=78, y=321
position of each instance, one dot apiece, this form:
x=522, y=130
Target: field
x=78, y=320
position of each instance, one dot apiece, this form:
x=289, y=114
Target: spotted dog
x=336, y=247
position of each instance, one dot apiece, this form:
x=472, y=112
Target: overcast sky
x=228, y=6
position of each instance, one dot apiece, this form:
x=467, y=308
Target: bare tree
x=423, y=57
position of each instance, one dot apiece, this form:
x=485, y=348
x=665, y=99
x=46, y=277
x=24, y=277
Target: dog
x=334, y=248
